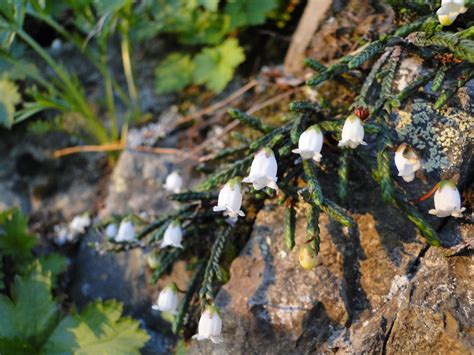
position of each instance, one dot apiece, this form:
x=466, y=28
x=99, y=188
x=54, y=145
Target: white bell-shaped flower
x=352, y=133
x=447, y=201
x=174, y=182
x=111, y=231
x=230, y=199
x=263, y=170
x=167, y=300
x=449, y=11
x=210, y=326
x=173, y=235
x=126, y=232
x=407, y=162
x=310, y=144
x=79, y=224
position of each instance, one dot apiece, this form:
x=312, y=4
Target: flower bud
x=153, y=260
x=310, y=144
x=263, y=170
x=210, y=326
x=79, y=224
x=126, y=232
x=447, y=201
x=352, y=133
x=230, y=199
x=168, y=299
x=111, y=231
x=307, y=257
x=173, y=235
x=174, y=182
x=407, y=162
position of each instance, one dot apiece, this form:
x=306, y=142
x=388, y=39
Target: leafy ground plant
x=361, y=133
x=31, y=321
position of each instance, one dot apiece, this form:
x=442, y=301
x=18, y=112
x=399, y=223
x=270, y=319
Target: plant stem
x=94, y=126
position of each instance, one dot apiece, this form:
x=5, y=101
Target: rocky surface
x=380, y=290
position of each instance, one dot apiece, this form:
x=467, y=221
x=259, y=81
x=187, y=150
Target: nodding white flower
x=449, y=11
x=174, y=182
x=407, y=162
x=126, y=232
x=447, y=201
x=173, y=235
x=230, y=199
x=210, y=326
x=167, y=300
x=310, y=144
x=263, y=170
x=79, y=224
x=352, y=133
x=111, y=230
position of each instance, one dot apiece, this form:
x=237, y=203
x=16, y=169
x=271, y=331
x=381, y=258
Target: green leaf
x=249, y=12
x=109, y=6
x=9, y=97
x=174, y=73
x=210, y=5
x=15, y=240
x=98, y=329
x=47, y=267
x=205, y=28
x=29, y=315
x=215, y=66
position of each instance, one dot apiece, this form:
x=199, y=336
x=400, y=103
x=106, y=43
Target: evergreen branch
x=362, y=98
x=462, y=48
x=227, y=152
x=297, y=128
x=290, y=226
x=192, y=196
x=401, y=202
x=315, y=65
x=370, y=51
x=314, y=196
x=240, y=137
x=206, y=291
x=226, y=174
x=414, y=86
x=186, y=300
x=250, y=121
x=439, y=78
x=343, y=173
x=331, y=72
x=166, y=260
x=312, y=228
x=305, y=107
x=405, y=30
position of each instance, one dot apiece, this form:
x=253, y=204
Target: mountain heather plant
x=365, y=135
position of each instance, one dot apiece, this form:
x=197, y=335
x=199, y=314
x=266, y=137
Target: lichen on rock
x=439, y=136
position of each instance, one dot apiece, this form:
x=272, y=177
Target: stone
x=136, y=184
x=376, y=290
x=272, y=305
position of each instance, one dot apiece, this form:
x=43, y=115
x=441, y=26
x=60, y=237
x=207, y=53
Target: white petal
x=126, y=232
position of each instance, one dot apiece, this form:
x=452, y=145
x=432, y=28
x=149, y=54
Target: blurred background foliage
x=204, y=35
